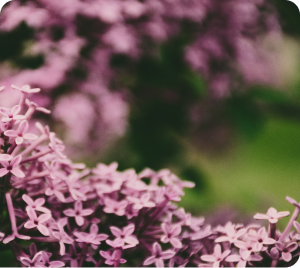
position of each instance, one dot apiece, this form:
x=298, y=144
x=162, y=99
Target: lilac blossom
x=158, y=256
x=125, y=236
x=21, y=133
x=12, y=167
x=119, y=218
x=37, y=221
x=217, y=256
x=78, y=212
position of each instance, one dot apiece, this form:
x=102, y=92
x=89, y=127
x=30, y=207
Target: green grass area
x=253, y=176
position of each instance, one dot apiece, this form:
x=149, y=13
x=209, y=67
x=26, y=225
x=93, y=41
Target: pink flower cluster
x=84, y=36
x=78, y=217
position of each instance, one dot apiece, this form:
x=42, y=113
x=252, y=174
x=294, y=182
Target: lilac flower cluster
x=73, y=216
x=78, y=37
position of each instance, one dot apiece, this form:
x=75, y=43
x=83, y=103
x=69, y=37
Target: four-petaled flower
x=158, y=256
x=12, y=167
x=37, y=221
x=242, y=258
x=141, y=202
x=216, y=257
x=286, y=250
x=260, y=237
x=112, y=259
x=35, y=205
x=12, y=114
x=91, y=238
x=272, y=215
x=112, y=206
x=171, y=234
x=231, y=234
x=124, y=236
x=78, y=212
x=20, y=134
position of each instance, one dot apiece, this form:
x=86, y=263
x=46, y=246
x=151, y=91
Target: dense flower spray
x=56, y=213
x=82, y=42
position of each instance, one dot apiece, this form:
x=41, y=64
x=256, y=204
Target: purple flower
x=12, y=167
x=62, y=236
x=34, y=262
x=21, y=134
x=45, y=261
x=125, y=236
x=286, y=250
x=272, y=215
x=260, y=237
x=5, y=157
x=78, y=212
x=35, y=205
x=112, y=206
x=242, y=258
x=91, y=238
x=216, y=257
x=37, y=221
x=171, y=234
x=12, y=114
x=158, y=256
x=232, y=235
x=111, y=259
x=141, y=202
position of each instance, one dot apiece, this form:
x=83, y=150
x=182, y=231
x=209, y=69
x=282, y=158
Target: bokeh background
x=209, y=89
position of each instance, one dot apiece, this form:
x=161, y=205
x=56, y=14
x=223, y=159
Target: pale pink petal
x=269, y=241
x=104, y=254
x=5, y=157
x=94, y=229
x=16, y=109
x=79, y=220
x=167, y=254
x=131, y=240
x=156, y=249
x=23, y=127
x=225, y=254
x=28, y=200
x=242, y=263
x=3, y=171
x=216, y=264
x=44, y=217
x=115, y=231
x=39, y=202
x=18, y=172
x=283, y=214
x=149, y=260
x=56, y=264
x=217, y=251
x=159, y=263
x=43, y=229
x=128, y=230
x=29, y=225
x=176, y=243
x=291, y=247
x=69, y=212
x=297, y=226
x=259, y=216
x=233, y=258
x=32, y=215
x=176, y=230
x=10, y=133
x=164, y=239
x=286, y=256
x=78, y=206
x=273, y=220
x=86, y=212
x=16, y=161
